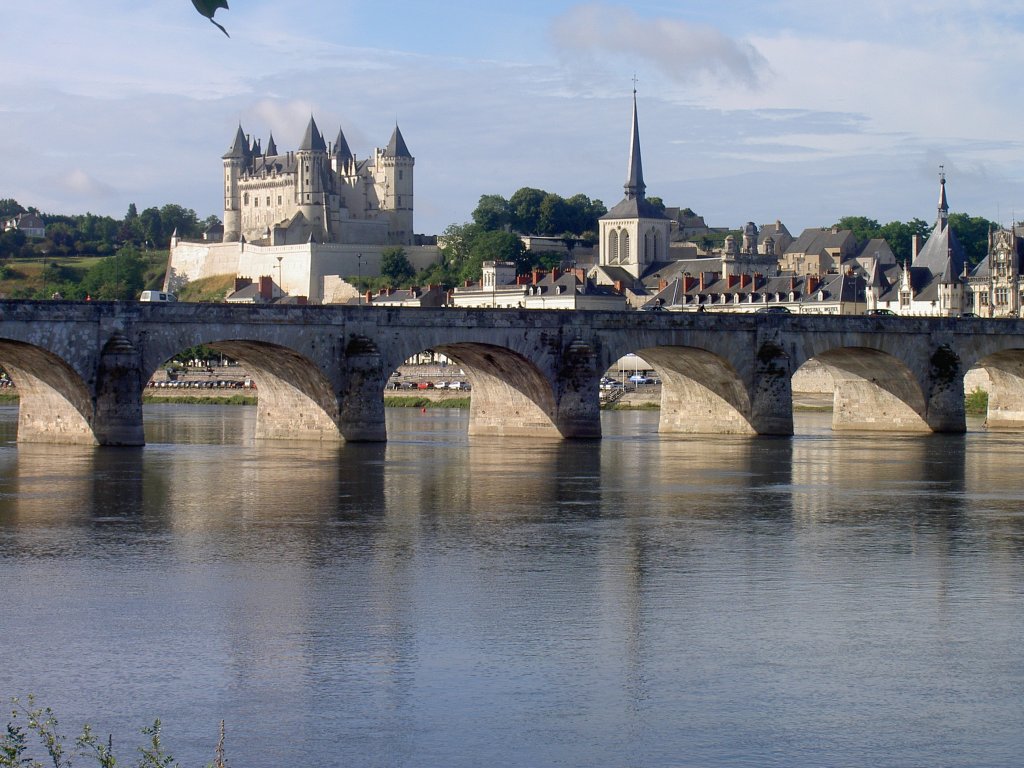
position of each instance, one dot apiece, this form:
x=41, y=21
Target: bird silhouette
x=208, y=8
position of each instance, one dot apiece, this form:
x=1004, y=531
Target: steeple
x=396, y=147
x=635, y=187
x=271, y=146
x=943, y=206
x=313, y=141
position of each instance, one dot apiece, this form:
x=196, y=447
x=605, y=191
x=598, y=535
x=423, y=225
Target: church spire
x=635, y=187
x=943, y=205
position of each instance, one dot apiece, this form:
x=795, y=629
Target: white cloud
x=682, y=51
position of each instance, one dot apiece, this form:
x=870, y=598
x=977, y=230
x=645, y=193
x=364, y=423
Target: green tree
x=494, y=246
x=492, y=212
x=525, y=205
x=863, y=228
x=153, y=227
x=120, y=276
x=456, y=243
x=175, y=217
x=899, y=235
x=554, y=216
x=972, y=232
x=658, y=203
x=9, y=207
x=395, y=267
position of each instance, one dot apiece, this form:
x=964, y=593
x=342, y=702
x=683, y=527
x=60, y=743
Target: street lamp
x=43, y=273
x=280, y=278
x=359, y=278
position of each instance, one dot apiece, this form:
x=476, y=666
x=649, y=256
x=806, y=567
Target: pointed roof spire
x=313, y=141
x=635, y=187
x=341, y=146
x=943, y=205
x=396, y=147
x=256, y=149
x=271, y=146
x=239, y=147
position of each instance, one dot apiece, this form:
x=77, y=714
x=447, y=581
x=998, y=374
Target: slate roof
x=313, y=141
x=239, y=149
x=397, y=147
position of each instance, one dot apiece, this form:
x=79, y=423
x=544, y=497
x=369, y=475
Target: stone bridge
x=321, y=371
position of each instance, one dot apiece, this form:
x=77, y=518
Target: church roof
x=942, y=255
x=239, y=148
x=313, y=141
x=397, y=147
x=635, y=205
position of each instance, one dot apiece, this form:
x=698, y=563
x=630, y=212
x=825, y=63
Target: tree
x=972, y=232
x=658, y=203
x=525, y=205
x=456, y=242
x=554, y=216
x=174, y=217
x=494, y=246
x=899, y=235
x=492, y=212
x=395, y=267
x=153, y=226
x=863, y=228
x=120, y=276
x=9, y=208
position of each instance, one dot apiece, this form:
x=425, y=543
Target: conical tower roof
x=313, y=141
x=397, y=147
x=239, y=147
x=271, y=146
x=341, y=146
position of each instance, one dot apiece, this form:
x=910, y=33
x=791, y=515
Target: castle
x=307, y=218
x=318, y=191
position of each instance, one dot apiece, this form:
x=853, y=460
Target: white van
x=157, y=296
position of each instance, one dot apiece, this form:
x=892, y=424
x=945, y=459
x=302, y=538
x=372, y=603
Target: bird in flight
x=208, y=8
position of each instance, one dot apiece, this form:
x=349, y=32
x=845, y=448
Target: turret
x=236, y=162
x=943, y=205
x=313, y=180
x=396, y=163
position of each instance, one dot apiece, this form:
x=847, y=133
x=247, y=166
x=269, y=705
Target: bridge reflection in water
x=321, y=372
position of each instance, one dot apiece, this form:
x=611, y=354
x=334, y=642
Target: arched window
x=613, y=247
x=651, y=246
x=624, y=256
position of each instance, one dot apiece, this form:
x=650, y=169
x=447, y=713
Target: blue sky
x=799, y=110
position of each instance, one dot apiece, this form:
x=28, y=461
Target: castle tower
x=396, y=198
x=313, y=181
x=236, y=161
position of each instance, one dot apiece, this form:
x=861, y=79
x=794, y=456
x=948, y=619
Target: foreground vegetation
x=33, y=730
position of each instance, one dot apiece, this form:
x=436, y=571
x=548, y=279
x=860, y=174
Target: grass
x=201, y=400
x=621, y=406
x=423, y=402
x=207, y=289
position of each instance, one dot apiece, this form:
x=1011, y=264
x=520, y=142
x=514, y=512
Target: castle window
x=399, y=203
x=904, y=299
x=1002, y=296
x=399, y=175
x=268, y=201
x=256, y=202
x=278, y=199
x=245, y=198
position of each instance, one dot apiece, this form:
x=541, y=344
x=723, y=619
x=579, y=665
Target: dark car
x=774, y=311
x=880, y=313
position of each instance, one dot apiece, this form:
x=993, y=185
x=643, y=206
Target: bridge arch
x=295, y=398
x=54, y=403
x=873, y=390
x=1005, y=369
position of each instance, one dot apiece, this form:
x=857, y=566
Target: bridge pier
x=361, y=404
x=1005, y=394
x=117, y=418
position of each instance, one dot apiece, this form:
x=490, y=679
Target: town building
x=500, y=287
x=935, y=283
x=28, y=223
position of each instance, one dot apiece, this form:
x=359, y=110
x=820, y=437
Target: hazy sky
x=799, y=110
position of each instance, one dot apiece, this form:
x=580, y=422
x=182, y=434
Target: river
x=821, y=600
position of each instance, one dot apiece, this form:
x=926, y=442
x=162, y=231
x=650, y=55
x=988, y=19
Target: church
x=307, y=218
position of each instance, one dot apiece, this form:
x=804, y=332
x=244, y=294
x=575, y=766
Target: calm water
x=445, y=601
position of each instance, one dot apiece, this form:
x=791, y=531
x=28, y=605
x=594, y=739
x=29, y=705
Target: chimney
x=303, y=300
x=266, y=287
x=537, y=274
x=383, y=291
x=703, y=281
x=369, y=297
x=792, y=283
x=467, y=284
x=242, y=282
x=731, y=281
x=662, y=285
x=812, y=283
x=744, y=280
x=618, y=286
x=580, y=275
x=915, y=248
x=555, y=273
x=688, y=283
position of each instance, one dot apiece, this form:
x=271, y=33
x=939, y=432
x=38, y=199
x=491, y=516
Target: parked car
x=880, y=313
x=774, y=311
x=425, y=385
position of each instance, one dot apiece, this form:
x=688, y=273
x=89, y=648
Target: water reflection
x=441, y=599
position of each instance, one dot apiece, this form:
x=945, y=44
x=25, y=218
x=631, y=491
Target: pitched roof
x=341, y=146
x=942, y=255
x=271, y=146
x=239, y=147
